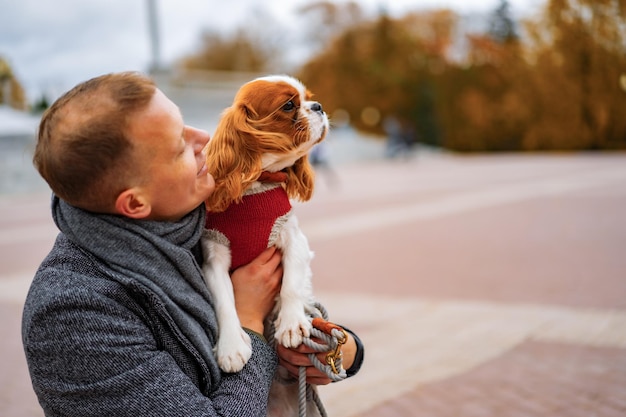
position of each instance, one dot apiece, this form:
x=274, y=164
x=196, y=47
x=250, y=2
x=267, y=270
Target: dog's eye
x=289, y=106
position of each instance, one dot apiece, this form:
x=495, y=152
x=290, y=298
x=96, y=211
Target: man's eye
x=289, y=106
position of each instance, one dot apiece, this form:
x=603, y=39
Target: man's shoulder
x=66, y=259
x=68, y=273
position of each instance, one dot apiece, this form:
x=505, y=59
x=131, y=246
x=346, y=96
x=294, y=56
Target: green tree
x=502, y=26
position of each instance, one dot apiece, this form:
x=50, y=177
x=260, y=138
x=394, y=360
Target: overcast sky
x=54, y=44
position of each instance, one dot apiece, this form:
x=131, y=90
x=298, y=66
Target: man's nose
x=199, y=138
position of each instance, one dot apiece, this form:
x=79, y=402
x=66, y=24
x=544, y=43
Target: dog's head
x=271, y=126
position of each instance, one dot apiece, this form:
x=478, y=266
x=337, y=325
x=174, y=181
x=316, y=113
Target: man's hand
x=292, y=359
x=256, y=286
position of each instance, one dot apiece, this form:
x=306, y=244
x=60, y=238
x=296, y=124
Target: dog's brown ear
x=300, y=180
x=232, y=158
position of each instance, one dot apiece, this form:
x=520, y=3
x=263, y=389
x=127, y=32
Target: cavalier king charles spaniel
x=259, y=159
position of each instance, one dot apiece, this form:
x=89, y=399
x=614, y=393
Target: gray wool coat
x=118, y=322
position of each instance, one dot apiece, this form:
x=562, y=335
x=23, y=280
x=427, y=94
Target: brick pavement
x=460, y=264
x=531, y=379
x=482, y=286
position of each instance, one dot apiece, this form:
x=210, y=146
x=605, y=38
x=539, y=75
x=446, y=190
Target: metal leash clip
x=334, y=356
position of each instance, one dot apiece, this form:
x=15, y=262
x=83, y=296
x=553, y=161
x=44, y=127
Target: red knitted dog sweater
x=247, y=225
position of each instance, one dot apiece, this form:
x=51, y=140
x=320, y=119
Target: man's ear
x=132, y=203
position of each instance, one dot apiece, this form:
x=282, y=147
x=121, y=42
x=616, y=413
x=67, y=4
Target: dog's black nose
x=317, y=107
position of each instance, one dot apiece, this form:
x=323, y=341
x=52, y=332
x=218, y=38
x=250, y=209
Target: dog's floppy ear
x=300, y=180
x=233, y=158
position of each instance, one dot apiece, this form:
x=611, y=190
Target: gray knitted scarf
x=152, y=254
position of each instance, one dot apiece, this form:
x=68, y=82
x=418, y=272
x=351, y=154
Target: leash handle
x=325, y=326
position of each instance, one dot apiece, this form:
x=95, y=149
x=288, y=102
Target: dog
x=258, y=157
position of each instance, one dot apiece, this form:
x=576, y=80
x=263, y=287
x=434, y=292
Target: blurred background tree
x=388, y=65
x=484, y=105
x=11, y=91
x=554, y=82
x=333, y=17
x=502, y=26
x=577, y=99
x=243, y=51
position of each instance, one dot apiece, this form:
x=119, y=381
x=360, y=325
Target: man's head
x=83, y=151
x=116, y=144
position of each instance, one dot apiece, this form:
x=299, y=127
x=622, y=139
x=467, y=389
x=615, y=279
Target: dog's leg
x=233, y=347
x=296, y=294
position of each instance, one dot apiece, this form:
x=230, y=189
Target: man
x=118, y=320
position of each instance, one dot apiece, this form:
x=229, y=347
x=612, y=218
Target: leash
x=331, y=338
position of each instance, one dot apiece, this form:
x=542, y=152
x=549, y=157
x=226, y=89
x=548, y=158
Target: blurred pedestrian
x=401, y=139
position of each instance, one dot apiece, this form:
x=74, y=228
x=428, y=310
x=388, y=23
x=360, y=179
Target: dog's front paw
x=233, y=351
x=290, y=331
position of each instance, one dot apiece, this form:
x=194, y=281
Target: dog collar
x=267, y=176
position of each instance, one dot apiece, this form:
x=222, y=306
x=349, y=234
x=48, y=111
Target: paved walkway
x=481, y=285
